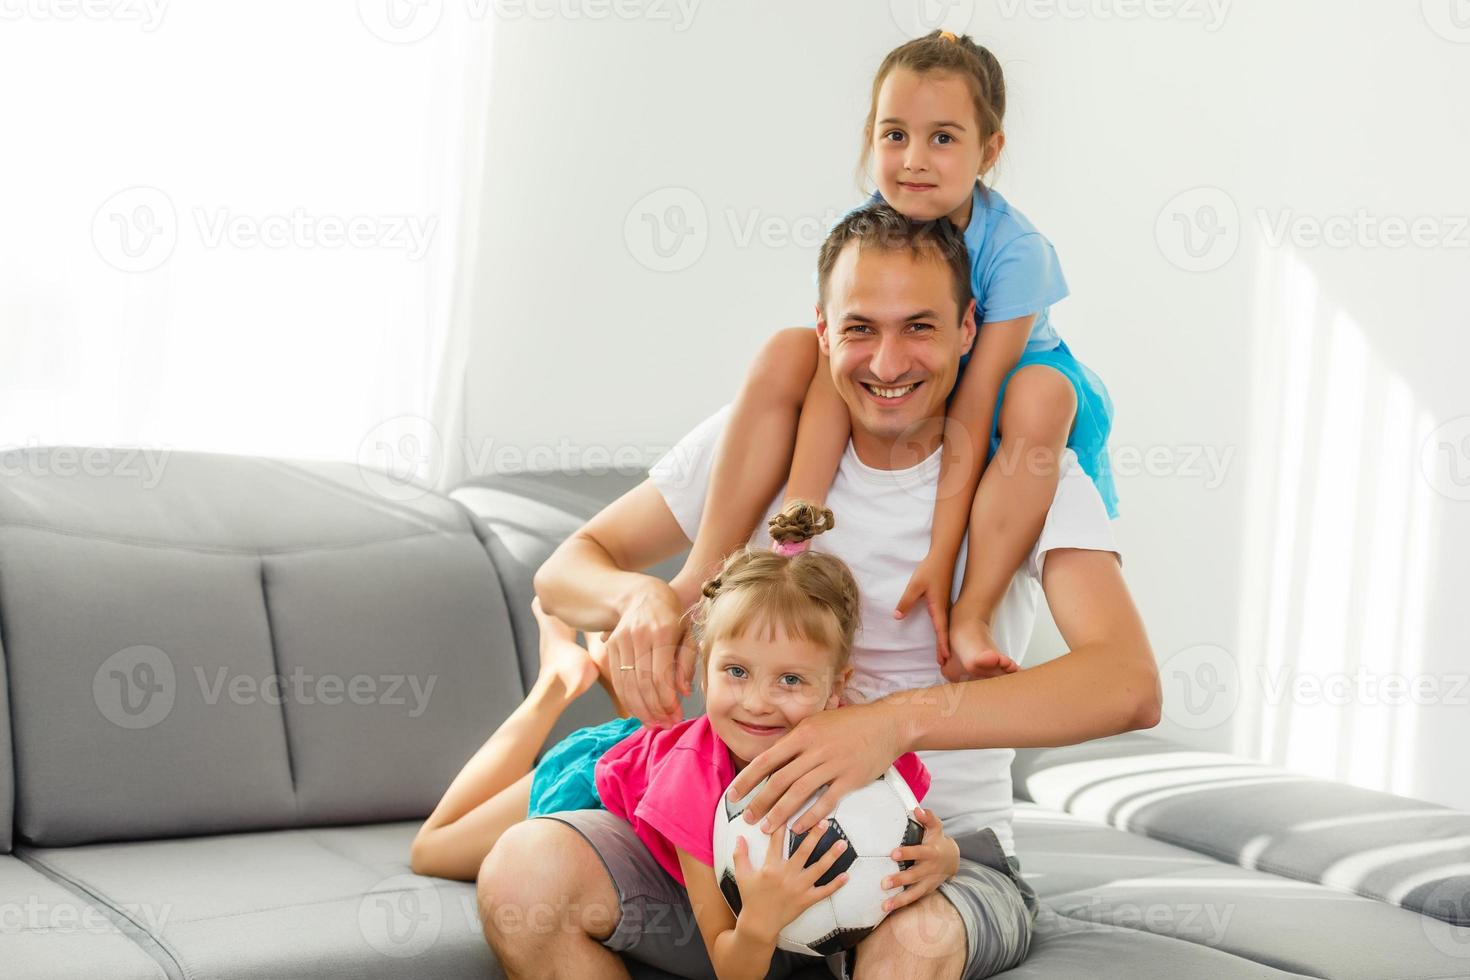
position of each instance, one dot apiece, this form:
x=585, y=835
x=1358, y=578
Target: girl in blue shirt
x=934, y=130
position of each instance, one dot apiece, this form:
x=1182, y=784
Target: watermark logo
x=143, y=464
x=918, y=17
x=1362, y=687
x=401, y=458
x=1199, y=230
x=147, y=14
x=1363, y=229
x=135, y=688
x=667, y=230
x=1209, y=13
x=1447, y=923
x=1445, y=459
x=1450, y=19
x=1201, y=686
x=136, y=229
x=400, y=21
x=401, y=916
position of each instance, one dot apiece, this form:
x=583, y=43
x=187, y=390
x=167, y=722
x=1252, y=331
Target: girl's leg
x=491, y=792
x=754, y=453
x=821, y=438
x=1011, y=504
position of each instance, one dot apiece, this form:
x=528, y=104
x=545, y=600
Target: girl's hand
x=774, y=894
x=932, y=582
x=936, y=859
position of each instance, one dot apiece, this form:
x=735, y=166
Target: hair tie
x=791, y=549
x=949, y=36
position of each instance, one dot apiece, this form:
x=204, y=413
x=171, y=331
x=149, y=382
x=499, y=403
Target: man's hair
x=880, y=227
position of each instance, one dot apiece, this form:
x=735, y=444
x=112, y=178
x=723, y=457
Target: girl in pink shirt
x=774, y=632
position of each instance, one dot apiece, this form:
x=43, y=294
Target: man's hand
x=650, y=656
x=841, y=750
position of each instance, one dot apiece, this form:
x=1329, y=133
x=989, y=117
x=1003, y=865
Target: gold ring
x=626, y=667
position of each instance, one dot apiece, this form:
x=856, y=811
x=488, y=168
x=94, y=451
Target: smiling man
x=895, y=315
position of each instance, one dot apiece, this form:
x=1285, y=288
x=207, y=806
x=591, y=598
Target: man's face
x=894, y=334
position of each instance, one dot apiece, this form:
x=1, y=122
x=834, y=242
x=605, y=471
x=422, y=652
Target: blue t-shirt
x=1014, y=270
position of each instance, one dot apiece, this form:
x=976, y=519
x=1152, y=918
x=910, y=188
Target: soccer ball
x=873, y=819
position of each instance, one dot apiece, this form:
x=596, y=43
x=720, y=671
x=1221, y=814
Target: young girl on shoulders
x=934, y=131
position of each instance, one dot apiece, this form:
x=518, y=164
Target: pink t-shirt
x=665, y=783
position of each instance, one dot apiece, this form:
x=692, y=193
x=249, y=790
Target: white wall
x=1273, y=407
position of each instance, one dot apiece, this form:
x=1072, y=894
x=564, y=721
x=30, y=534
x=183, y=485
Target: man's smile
x=890, y=394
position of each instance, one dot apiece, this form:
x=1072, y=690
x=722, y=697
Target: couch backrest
x=526, y=516
x=202, y=643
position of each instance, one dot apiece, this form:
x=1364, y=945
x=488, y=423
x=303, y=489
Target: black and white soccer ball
x=873, y=819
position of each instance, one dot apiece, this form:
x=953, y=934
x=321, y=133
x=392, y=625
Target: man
x=894, y=310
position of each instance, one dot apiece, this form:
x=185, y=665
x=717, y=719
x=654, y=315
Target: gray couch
x=232, y=690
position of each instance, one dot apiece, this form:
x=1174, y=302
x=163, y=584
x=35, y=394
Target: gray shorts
x=656, y=924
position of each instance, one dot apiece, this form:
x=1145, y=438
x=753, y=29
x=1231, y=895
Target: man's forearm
x=581, y=585
x=1077, y=697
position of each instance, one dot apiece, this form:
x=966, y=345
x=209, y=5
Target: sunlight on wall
x=1337, y=543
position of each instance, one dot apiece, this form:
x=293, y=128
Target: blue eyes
x=739, y=673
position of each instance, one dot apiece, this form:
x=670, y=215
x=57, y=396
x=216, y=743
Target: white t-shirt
x=882, y=524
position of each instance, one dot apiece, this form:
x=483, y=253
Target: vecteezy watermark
x=1201, y=686
x=1450, y=19
x=667, y=230
x=144, y=464
x=147, y=14
x=409, y=21
x=1207, y=465
x=401, y=916
x=1210, y=13
x=917, y=17
x=1447, y=922
x=138, y=228
x=137, y=688
x=1362, y=687
x=402, y=458
x=33, y=914
x=1198, y=922
x=1199, y=229
x=299, y=687
x=1363, y=229
x=1444, y=459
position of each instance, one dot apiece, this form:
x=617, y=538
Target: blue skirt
x=564, y=776
x=1089, y=438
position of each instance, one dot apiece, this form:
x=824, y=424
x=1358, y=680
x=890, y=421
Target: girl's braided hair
x=807, y=596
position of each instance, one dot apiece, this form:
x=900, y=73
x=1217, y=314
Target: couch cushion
x=527, y=515
x=227, y=643
x=48, y=933
x=287, y=905
x=1107, y=879
x=1377, y=845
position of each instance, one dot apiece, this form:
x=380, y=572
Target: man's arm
x=1107, y=683
x=592, y=582
x=586, y=581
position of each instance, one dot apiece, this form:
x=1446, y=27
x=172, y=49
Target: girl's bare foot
x=597, y=650
x=565, y=666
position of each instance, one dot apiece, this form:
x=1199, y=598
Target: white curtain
x=240, y=227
